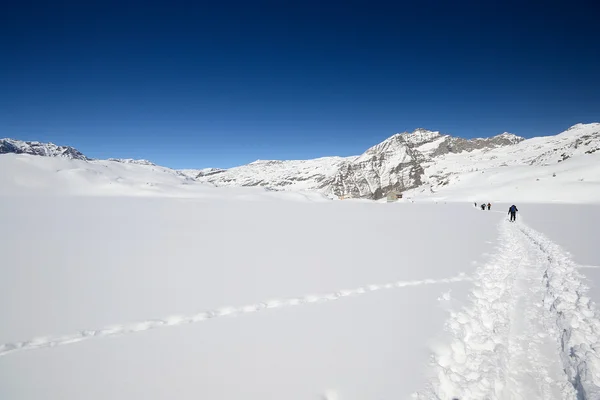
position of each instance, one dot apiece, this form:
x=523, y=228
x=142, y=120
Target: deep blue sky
x=222, y=83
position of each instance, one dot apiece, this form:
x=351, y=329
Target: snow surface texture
x=531, y=332
x=41, y=342
x=76, y=264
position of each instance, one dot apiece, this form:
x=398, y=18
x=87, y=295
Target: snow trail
x=530, y=332
x=117, y=330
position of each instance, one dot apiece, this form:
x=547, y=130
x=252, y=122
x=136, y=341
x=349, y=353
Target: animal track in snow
x=117, y=330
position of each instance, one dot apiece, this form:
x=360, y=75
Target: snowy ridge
x=195, y=173
x=423, y=164
x=118, y=330
x=420, y=136
x=132, y=161
x=390, y=165
x=533, y=170
x=394, y=164
x=577, y=141
x=22, y=173
x=40, y=149
x=289, y=175
x=529, y=315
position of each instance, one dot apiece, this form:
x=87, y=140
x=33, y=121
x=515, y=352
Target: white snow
x=506, y=168
x=531, y=332
x=104, y=266
x=564, y=168
x=22, y=174
x=429, y=147
x=572, y=181
x=420, y=136
x=108, y=268
x=132, y=161
x=290, y=174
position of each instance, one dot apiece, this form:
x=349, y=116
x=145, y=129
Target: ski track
x=529, y=332
x=117, y=330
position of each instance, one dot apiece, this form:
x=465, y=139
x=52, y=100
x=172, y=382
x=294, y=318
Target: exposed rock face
x=396, y=164
x=209, y=171
x=458, y=145
x=390, y=165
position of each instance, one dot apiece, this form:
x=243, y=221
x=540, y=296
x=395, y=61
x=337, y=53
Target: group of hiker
x=512, y=210
x=483, y=206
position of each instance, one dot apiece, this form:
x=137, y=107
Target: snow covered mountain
x=421, y=164
x=52, y=150
x=396, y=164
x=519, y=170
x=132, y=161
x=40, y=149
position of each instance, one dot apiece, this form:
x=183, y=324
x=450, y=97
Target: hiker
x=489, y=206
x=513, y=213
x=476, y=204
x=483, y=206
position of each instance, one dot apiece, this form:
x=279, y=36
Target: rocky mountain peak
x=40, y=149
x=506, y=138
x=393, y=144
x=582, y=129
x=420, y=136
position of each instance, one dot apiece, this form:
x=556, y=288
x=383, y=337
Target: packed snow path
x=530, y=332
x=117, y=330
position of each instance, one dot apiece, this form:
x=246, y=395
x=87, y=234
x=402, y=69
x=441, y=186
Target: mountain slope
x=282, y=175
x=427, y=163
x=520, y=171
x=423, y=163
x=40, y=149
x=396, y=164
x=390, y=165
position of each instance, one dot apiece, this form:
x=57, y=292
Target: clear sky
x=196, y=84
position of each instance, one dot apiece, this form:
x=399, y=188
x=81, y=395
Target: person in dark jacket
x=513, y=212
x=489, y=206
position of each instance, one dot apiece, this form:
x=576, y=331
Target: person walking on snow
x=489, y=206
x=513, y=213
x=483, y=206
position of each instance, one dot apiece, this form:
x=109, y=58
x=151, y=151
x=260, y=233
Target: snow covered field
x=120, y=282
